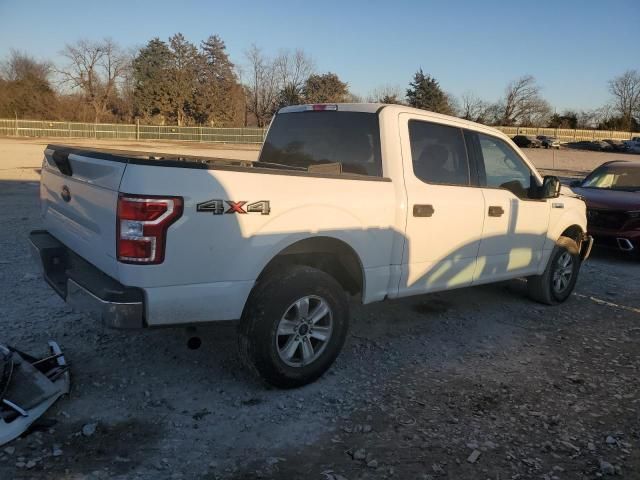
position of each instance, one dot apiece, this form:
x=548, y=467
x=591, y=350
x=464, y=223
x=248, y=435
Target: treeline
x=176, y=82
x=522, y=104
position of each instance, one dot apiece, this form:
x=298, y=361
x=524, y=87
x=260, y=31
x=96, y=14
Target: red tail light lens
x=142, y=227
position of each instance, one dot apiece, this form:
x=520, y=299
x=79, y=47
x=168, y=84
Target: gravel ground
x=470, y=384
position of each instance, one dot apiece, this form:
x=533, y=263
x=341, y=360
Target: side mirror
x=575, y=183
x=550, y=187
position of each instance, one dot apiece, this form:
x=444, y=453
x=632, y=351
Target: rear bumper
x=85, y=287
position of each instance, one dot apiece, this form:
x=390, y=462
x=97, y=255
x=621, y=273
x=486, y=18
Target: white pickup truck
x=359, y=201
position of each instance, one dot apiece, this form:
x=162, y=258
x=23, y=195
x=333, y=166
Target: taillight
x=142, y=224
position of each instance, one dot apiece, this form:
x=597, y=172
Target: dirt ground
x=477, y=383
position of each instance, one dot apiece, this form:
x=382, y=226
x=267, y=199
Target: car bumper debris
x=29, y=386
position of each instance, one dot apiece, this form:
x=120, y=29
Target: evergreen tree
x=183, y=77
x=325, y=88
x=151, y=80
x=219, y=90
x=425, y=93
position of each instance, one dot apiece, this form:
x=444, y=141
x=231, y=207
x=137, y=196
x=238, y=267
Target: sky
x=572, y=48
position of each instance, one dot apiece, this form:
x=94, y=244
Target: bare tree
x=454, y=104
x=493, y=114
x=587, y=119
x=626, y=94
x=21, y=66
x=522, y=102
x=293, y=69
x=25, y=90
x=351, y=97
x=386, y=94
x=605, y=113
x=538, y=115
x=95, y=69
x=262, y=85
x=473, y=107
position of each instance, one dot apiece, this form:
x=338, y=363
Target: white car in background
x=549, y=142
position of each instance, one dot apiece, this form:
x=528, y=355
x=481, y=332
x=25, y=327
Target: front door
x=515, y=225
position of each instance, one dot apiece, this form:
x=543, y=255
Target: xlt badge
x=220, y=207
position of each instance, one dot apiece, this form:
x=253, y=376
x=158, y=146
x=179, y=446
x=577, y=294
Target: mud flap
x=28, y=388
x=585, y=246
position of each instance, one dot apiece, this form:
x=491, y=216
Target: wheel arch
x=573, y=232
x=572, y=222
x=329, y=254
x=571, y=226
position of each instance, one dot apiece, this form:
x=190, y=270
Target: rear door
x=515, y=224
x=79, y=197
x=445, y=210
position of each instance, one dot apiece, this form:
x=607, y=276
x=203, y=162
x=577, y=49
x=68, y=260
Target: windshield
x=614, y=178
x=350, y=140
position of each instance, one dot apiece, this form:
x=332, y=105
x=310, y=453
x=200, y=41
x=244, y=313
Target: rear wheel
x=294, y=326
x=559, y=278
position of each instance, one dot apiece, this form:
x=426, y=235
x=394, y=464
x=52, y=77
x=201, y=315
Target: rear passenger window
x=438, y=153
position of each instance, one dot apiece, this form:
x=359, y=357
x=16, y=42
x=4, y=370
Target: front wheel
x=559, y=278
x=294, y=326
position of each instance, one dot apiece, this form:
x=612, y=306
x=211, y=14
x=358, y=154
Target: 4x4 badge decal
x=235, y=207
x=219, y=207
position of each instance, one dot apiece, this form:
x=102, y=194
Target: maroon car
x=612, y=195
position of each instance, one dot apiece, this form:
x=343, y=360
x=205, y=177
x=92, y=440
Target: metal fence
x=43, y=128
x=569, y=135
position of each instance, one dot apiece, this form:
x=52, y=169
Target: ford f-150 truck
x=350, y=201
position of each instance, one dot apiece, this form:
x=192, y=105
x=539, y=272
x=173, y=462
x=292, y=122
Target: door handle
x=495, y=211
x=423, y=210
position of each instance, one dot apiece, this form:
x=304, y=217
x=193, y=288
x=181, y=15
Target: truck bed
x=160, y=159
x=150, y=158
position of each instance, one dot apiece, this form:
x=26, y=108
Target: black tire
x=545, y=288
x=269, y=302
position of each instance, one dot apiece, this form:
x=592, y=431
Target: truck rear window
x=305, y=139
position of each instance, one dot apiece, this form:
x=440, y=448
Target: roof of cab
x=376, y=107
x=622, y=163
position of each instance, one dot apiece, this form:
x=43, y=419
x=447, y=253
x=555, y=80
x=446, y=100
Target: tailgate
x=79, y=197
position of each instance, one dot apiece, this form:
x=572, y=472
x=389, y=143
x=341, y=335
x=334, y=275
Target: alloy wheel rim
x=304, y=331
x=563, y=272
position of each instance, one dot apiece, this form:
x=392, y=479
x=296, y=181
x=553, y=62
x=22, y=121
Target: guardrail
x=44, y=128
x=570, y=135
